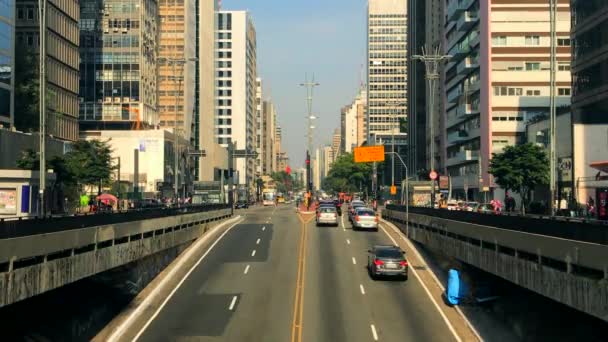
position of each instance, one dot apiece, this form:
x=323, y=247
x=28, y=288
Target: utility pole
x=431, y=63
x=552, y=110
x=42, y=102
x=309, y=85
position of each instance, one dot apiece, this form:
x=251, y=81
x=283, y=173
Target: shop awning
x=600, y=165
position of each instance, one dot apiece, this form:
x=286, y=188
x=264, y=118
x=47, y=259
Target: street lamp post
x=431, y=63
x=42, y=102
x=552, y=110
x=407, y=195
x=174, y=62
x=393, y=117
x=309, y=85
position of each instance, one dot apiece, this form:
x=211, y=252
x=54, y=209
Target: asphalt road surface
x=278, y=277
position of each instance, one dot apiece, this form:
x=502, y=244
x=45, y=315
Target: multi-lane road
x=275, y=276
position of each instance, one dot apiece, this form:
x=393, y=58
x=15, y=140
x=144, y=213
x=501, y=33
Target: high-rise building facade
x=387, y=74
x=177, y=65
x=259, y=117
x=268, y=129
x=496, y=81
x=336, y=143
x=119, y=64
x=353, y=128
x=208, y=167
x=589, y=97
x=236, y=73
x=62, y=62
x=7, y=61
x=278, y=140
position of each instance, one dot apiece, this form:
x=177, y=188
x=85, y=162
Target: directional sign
x=433, y=175
x=368, y=154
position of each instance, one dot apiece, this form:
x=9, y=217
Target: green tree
x=283, y=181
x=520, y=168
x=346, y=176
x=90, y=162
x=26, y=89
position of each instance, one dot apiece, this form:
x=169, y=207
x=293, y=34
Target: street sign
x=433, y=175
x=369, y=154
x=393, y=190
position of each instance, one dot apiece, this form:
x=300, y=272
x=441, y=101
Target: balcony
x=467, y=109
x=456, y=7
x=467, y=20
x=462, y=135
x=455, y=95
x=474, y=42
x=462, y=156
x=467, y=65
x=459, y=52
x=473, y=87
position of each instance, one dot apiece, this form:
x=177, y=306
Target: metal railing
x=580, y=230
x=13, y=228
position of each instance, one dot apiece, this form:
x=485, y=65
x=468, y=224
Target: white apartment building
x=259, y=117
x=327, y=160
x=387, y=73
x=497, y=80
x=353, y=125
x=236, y=72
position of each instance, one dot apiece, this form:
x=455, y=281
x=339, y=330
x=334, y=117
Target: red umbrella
x=107, y=198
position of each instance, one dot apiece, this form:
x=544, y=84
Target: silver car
x=365, y=218
x=387, y=260
x=327, y=215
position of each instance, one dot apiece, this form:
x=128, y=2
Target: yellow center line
x=298, y=308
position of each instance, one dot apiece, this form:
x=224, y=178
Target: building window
x=30, y=14
x=563, y=66
x=563, y=91
x=499, y=41
x=563, y=42
x=20, y=14
x=532, y=40
x=532, y=92
x=532, y=66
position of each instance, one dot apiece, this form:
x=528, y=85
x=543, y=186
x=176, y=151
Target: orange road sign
x=393, y=190
x=368, y=154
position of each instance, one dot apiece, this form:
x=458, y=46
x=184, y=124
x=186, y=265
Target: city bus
x=269, y=197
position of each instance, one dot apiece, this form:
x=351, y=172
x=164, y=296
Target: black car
x=387, y=260
x=241, y=205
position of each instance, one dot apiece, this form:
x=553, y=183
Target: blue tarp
x=453, y=288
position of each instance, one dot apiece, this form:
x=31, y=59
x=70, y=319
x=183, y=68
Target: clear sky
x=295, y=37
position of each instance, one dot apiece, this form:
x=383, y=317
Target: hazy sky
x=294, y=37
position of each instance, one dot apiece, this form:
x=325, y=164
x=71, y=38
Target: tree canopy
x=520, y=168
x=283, y=181
x=347, y=176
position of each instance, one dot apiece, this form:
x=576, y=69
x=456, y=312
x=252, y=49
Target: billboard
x=369, y=154
x=8, y=201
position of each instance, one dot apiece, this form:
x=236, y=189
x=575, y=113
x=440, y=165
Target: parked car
x=241, y=205
x=452, y=205
x=470, y=206
x=365, y=218
x=387, y=260
x=327, y=215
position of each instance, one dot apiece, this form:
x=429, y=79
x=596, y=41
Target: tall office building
x=496, y=81
x=268, y=129
x=328, y=160
x=590, y=97
x=336, y=142
x=62, y=68
x=387, y=74
x=353, y=128
x=176, y=66
x=278, y=140
x=236, y=72
x=259, y=117
x=7, y=61
x=207, y=168
x=118, y=63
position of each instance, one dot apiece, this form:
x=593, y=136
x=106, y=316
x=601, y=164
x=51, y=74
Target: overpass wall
x=571, y=272
x=35, y=264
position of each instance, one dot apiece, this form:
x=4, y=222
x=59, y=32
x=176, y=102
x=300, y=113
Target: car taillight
x=376, y=218
x=403, y=263
x=378, y=262
x=357, y=218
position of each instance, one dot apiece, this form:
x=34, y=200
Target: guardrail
x=593, y=232
x=14, y=228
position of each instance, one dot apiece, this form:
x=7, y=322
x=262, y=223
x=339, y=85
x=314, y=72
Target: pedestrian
x=590, y=207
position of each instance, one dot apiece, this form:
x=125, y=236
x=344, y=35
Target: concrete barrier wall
x=587, y=293
x=105, y=248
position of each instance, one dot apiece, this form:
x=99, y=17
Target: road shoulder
x=455, y=318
